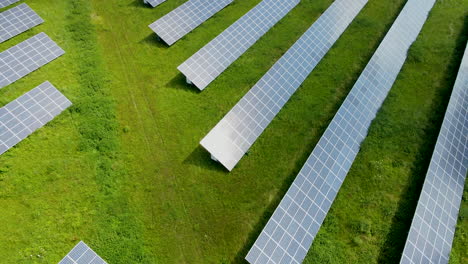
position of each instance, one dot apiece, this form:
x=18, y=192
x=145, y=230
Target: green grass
x=123, y=170
x=372, y=212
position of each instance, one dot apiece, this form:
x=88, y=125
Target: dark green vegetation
x=123, y=171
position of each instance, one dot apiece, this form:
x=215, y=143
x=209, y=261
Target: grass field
x=123, y=170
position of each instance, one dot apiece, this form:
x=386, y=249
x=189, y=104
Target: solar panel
x=82, y=254
x=231, y=138
x=5, y=3
x=26, y=57
x=185, y=18
x=154, y=3
x=210, y=61
x=431, y=234
x=23, y=116
x=293, y=226
x=17, y=20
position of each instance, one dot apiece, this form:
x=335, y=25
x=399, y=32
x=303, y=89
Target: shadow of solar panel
x=293, y=226
x=231, y=138
x=154, y=3
x=431, y=234
x=82, y=254
x=26, y=57
x=34, y=109
x=17, y=20
x=210, y=61
x=185, y=18
x=5, y=3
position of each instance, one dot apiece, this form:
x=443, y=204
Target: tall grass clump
x=118, y=232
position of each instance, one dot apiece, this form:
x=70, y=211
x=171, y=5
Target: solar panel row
x=296, y=221
x=293, y=226
x=154, y=3
x=26, y=57
x=231, y=138
x=431, y=234
x=5, y=3
x=34, y=109
x=23, y=116
x=17, y=20
x=210, y=61
x=82, y=254
x=185, y=18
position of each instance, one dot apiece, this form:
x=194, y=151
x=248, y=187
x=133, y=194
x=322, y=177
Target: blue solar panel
x=17, y=20
x=26, y=57
x=5, y=3
x=209, y=62
x=185, y=18
x=82, y=254
x=28, y=113
x=231, y=138
x=431, y=234
x=293, y=226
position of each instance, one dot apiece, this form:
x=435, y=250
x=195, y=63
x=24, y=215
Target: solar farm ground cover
x=122, y=169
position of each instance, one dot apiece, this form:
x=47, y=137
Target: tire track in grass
x=117, y=232
x=125, y=64
x=151, y=111
x=144, y=133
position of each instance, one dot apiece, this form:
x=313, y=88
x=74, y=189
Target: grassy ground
x=123, y=171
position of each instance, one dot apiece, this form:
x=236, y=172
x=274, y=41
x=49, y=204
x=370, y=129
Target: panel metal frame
x=5, y=3
x=154, y=3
